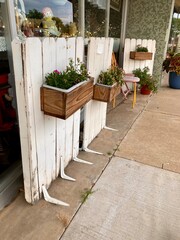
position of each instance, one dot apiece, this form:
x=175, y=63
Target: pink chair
x=128, y=78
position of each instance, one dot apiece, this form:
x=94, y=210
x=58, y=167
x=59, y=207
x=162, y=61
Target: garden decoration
x=108, y=85
x=141, y=53
x=65, y=92
x=172, y=65
x=147, y=83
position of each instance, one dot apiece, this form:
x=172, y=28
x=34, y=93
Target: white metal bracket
x=92, y=151
x=52, y=200
x=76, y=159
x=62, y=173
x=111, y=129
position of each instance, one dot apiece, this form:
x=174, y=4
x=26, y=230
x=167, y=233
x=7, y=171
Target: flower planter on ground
x=141, y=55
x=145, y=90
x=106, y=93
x=174, y=80
x=62, y=103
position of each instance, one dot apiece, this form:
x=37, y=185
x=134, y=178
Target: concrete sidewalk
x=129, y=197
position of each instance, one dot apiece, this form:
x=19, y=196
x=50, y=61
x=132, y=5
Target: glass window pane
x=46, y=18
x=95, y=18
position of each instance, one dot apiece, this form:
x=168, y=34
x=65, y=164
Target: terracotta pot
x=145, y=90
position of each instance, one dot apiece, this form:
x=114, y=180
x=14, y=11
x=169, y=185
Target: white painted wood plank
x=79, y=49
x=35, y=80
x=138, y=63
x=61, y=148
x=28, y=66
x=132, y=62
x=49, y=64
x=61, y=54
x=126, y=55
x=144, y=44
x=60, y=124
x=99, y=58
x=76, y=133
x=22, y=117
x=68, y=139
x=71, y=50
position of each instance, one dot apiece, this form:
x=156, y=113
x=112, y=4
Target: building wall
x=150, y=20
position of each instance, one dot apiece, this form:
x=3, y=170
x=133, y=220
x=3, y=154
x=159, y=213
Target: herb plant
x=139, y=48
x=111, y=76
x=146, y=79
x=74, y=74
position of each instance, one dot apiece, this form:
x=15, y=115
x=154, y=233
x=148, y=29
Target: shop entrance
x=10, y=154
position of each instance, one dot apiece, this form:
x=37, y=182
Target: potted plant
x=141, y=53
x=108, y=84
x=65, y=92
x=172, y=65
x=147, y=83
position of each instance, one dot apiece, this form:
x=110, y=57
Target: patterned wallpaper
x=149, y=20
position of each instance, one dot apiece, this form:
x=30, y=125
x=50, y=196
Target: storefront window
x=46, y=18
x=95, y=18
x=115, y=19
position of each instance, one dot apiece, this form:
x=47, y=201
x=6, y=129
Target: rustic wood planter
x=141, y=55
x=106, y=93
x=62, y=103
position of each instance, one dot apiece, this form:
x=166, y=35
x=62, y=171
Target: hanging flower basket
x=108, y=84
x=66, y=92
x=62, y=103
x=105, y=93
x=141, y=55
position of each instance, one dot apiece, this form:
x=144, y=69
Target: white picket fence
x=130, y=45
x=99, y=59
x=45, y=140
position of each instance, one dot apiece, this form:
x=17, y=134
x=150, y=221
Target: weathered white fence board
x=44, y=139
x=130, y=45
x=99, y=59
x=23, y=119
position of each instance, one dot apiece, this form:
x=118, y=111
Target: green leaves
x=111, y=76
x=139, y=48
x=146, y=79
x=73, y=75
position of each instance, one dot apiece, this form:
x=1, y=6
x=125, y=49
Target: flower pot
x=174, y=80
x=145, y=90
x=105, y=93
x=62, y=103
x=141, y=55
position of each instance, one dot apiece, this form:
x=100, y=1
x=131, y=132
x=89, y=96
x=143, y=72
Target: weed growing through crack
x=109, y=153
x=85, y=194
x=63, y=218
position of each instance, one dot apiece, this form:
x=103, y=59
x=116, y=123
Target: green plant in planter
x=111, y=76
x=74, y=74
x=139, y=48
x=146, y=79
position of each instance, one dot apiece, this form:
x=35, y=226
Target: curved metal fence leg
x=62, y=173
x=52, y=200
x=92, y=151
x=111, y=129
x=76, y=159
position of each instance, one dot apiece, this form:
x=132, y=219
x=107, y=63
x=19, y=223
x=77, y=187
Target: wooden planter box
x=106, y=93
x=62, y=103
x=141, y=55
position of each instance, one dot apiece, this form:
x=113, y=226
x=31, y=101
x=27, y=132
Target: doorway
x=10, y=154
